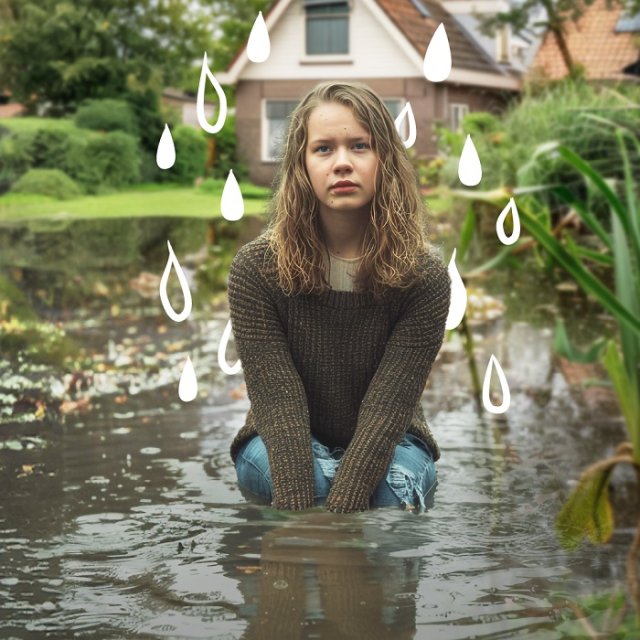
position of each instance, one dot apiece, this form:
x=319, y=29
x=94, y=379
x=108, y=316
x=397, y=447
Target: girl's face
x=340, y=162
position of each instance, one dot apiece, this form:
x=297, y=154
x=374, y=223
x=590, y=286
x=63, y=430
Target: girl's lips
x=347, y=188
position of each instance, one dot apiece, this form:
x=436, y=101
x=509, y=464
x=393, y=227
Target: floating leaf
x=587, y=512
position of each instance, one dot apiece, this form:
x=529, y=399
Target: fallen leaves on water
x=78, y=406
x=481, y=307
x=249, y=569
x=239, y=392
x=41, y=410
x=146, y=284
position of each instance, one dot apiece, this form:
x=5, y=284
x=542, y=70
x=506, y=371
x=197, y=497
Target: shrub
x=107, y=115
x=109, y=160
x=566, y=112
x=145, y=106
x=48, y=182
x=15, y=155
x=226, y=155
x=43, y=148
x=191, y=155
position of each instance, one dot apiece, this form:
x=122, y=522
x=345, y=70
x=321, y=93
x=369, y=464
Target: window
x=327, y=27
x=458, y=112
x=395, y=107
x=277, y=114
x=503, y=42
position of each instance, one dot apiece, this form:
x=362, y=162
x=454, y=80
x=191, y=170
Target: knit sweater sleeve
x=394, y=391
x=277, y=395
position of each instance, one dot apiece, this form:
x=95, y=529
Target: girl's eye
x=360, y=146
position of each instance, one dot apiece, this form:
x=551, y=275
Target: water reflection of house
x=604, y=41
x=379, y=42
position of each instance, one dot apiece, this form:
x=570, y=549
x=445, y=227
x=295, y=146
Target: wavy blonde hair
x=397, y=231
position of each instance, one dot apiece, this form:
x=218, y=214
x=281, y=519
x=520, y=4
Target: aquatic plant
x=588, y=512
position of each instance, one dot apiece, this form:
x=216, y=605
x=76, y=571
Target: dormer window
x=327, y=27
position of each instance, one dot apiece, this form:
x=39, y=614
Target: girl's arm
x=394, y=391
x=277, y=395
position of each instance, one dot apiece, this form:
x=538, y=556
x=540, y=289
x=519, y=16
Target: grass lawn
x=18, y=125
x=147, y=200
x=140, y=201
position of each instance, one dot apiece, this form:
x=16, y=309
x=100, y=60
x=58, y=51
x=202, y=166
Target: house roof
x=595, y=43
x=418, y=29
x=471, y=64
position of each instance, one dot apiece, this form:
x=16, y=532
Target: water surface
x=125, y=521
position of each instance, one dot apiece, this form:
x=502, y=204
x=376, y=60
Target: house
x=504, y=47
x=379, y=42
x=604, y=41
x=185, y=105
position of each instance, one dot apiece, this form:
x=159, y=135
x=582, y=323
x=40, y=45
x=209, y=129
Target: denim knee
x=324, y=470
x=252, y=469
x=410, y=479
x=254, y=476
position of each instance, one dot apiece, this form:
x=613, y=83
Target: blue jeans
x=410, y=478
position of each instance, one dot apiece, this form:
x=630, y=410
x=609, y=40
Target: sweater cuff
x=357, y=499
x=292, y=475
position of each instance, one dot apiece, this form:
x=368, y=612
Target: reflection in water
x=319, y=577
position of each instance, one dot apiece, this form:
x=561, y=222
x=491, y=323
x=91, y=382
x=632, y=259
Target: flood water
x=124, y=521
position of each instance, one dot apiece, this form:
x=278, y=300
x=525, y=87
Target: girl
x=338, y=311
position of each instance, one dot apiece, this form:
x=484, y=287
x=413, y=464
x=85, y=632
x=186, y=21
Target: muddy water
x=125, y=521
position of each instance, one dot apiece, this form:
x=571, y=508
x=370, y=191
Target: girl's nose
x=342, y=159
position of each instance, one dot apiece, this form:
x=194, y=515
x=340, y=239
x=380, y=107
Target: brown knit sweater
x=337, y=365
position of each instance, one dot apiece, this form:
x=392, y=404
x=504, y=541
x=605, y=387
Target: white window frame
x=264, y=128
x=344, y=54
x=459, y=108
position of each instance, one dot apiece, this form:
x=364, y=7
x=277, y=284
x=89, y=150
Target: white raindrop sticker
x=222, y=99
x=437, y=59
x=188, y=387
x=458, y=303
x=231, y=203
x=469, y=167
x=259, y=45
x=166, y=153
x=222, y=353
x=172, y=261
x=515, y=234
x=486, y=386
x=406, y=115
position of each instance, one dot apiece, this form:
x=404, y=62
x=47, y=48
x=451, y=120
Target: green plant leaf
x=602, y=185
x=562, y=346
x=582, y=275
x=587, y=512
x=627, y=395
x=590, y=220
x=466, y=235
x=492, y=263
x=579, y=252
x=628, y=291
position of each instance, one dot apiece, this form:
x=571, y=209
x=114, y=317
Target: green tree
x=552, y=17
x=58, y=53
x=231, y=27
